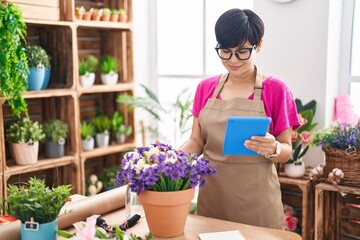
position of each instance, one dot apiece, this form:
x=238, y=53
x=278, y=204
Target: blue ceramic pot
x=47, y=78
x=46, y=231
x=36, y=78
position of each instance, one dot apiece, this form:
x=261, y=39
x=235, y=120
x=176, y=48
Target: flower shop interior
x=88, y=87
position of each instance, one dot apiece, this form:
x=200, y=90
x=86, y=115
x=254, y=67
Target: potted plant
x=13, y=64
x=164, y=178
x=341, y=144
x=87, y=130
x=105, y=14
x=123, y=17
x=95, y=14
x=102, y=126
x=37, y=58
x=114, y=16
x=79, y=12
x=56, y=132
x=88, y=14
x=37, y=207
x=117, y=120
x=107, y=177
x=24, y=136
x=87, y=69
x=109, y=68
x=300, y=139
x=123, y=132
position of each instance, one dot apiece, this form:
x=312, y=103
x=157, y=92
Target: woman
x=245, y=189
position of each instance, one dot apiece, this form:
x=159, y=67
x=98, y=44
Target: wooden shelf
x=50, y=93
x=120, y=87
x=107, y=150
x=42, y=164
x=101, y=24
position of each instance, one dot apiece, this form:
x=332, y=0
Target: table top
x=198, y=224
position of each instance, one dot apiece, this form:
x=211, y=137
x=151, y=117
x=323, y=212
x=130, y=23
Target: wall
x=302, y=42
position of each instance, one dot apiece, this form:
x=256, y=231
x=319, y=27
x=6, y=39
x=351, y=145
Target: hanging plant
x=13, y=62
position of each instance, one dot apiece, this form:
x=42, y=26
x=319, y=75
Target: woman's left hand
x=262, y=145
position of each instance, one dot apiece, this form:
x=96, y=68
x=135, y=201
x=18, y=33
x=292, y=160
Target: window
x=185, y=50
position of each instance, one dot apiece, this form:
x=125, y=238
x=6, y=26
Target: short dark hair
x=236, y=26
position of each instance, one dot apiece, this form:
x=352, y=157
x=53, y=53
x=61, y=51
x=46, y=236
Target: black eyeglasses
x=241, y=53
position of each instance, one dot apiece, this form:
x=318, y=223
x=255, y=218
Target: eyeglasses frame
x=217, y=48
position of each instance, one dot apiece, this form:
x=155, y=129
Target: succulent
x=108, y=64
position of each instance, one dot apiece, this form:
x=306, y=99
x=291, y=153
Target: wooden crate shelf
x=337, y=217
x=298, y=193
x=66, y=41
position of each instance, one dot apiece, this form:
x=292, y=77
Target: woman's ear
x=258, y=47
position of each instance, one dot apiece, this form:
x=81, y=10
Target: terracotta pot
x=105, y=17
x=114, y=17
x=166, y=212
x=123, y=18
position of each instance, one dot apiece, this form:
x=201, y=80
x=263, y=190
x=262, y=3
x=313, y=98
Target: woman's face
x=236, y=66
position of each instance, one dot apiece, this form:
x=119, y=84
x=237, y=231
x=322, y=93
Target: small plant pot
x=109, y=79
x=87, y=80
x=87, y=16
x=105, y=17
x=88, y=144
x=47, y=78
x=120, y=138
x=102, y=139
x=123, y=18
x=36, y=78
x=95, y=17
x=114, y=17
x=295, y=169
x=25, y=153
x=46, y=231
x=55, y=149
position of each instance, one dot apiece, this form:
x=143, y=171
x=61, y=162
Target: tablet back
x=239, y=129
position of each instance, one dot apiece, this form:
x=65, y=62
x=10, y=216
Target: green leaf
x=64, y=234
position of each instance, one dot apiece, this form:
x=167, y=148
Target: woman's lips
x=234, y=68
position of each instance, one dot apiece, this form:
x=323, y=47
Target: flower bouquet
x=340, y=142
x=164, y=177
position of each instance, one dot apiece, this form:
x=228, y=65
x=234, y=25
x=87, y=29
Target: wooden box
x=298, y=193
x=337, y=217
x=40, y=9
x=58, y=42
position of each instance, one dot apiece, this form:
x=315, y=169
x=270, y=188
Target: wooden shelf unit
x=298, y=193
x=67, y=40
x=334, y=218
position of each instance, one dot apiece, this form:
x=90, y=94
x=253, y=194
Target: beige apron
x=245, y=189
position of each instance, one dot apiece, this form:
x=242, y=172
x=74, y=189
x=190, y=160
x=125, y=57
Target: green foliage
x=88, y=65
x=108, y=64
x=114, y=11
x=13, y=64
x=24, y=130
x=37, y=56
x=87, y=130
x=117, y=120
x=107, y=176
x=152, y=105
x=102, y=123
x=337, y=135
x=106, y=11
x=36, y=200
x=126, y=130
x=55, y=130
x=122, y=12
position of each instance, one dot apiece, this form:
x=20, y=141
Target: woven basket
x=348, y=163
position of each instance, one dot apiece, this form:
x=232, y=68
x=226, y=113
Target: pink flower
x=86, y=231
x=305, y=137
x=290, y=222
x=302, y=120
x=294, y=136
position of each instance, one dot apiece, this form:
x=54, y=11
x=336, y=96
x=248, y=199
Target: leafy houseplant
x=105, y=14
x=102, y=129
x=87, y=69
x=109, y=70
x=38, y=61
x=56, y=132
x=87, y=131
x=161, y=172
x=24, y=137
x=13, y=65
x=122, y=15
x=36, y=201
x=114, y=16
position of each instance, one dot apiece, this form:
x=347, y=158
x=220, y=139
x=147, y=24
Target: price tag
x=31, y=226
x=350, y=149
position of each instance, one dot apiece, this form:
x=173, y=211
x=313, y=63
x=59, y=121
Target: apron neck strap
x=257, y=88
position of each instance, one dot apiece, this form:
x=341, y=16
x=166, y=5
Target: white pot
x=25, y=153
x=87, y=80
x=295, y=169
x=102, y=139
x=88, y=144
x=109, y=79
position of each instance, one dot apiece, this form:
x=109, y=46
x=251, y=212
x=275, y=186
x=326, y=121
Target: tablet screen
x=239, y=129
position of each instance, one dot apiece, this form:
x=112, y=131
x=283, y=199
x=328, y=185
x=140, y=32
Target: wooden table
x=320, y=190
x=197, y=224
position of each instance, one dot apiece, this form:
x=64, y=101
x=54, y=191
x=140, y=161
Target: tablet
x=239, y=129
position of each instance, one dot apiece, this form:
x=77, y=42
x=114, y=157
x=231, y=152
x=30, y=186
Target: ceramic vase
x=25, y=153
x=166, y=212
x=45, y=231
x=295, y=169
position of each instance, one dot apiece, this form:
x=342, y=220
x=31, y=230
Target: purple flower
x=160, y=167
